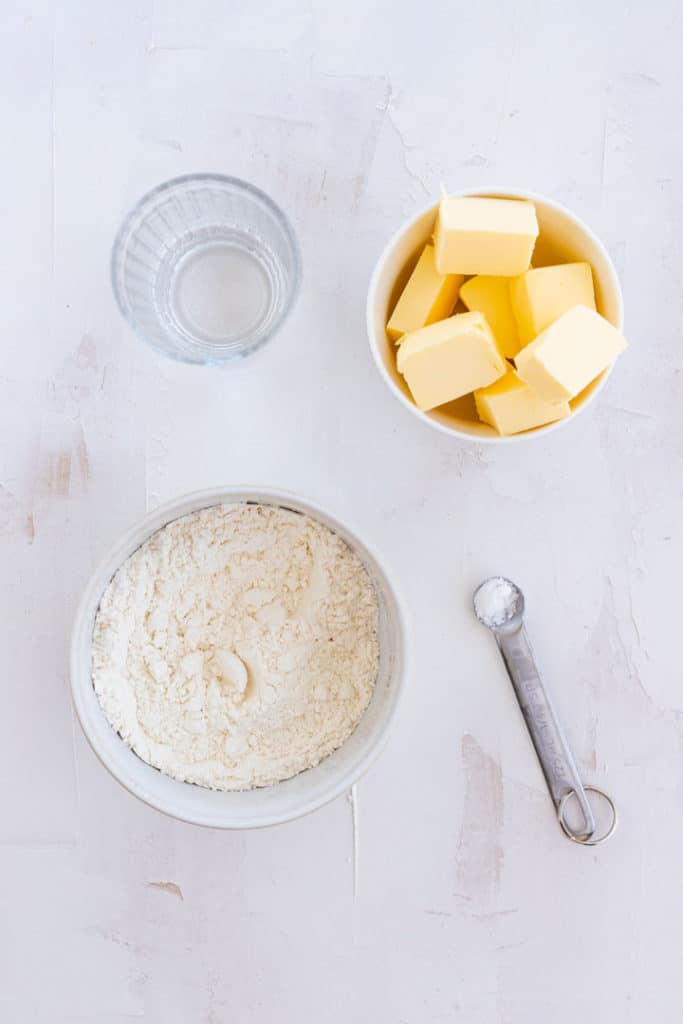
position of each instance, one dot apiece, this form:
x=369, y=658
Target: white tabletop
x=459, y=899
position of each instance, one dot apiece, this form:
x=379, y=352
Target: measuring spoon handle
x=553, y=751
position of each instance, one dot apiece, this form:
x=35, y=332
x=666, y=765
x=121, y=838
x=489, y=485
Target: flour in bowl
x=237, y=646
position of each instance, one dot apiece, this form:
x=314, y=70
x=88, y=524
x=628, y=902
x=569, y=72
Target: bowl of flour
x=238, y=657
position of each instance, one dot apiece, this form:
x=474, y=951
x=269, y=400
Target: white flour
x=237, y=646
x=496, y=601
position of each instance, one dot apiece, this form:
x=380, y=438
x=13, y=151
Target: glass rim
x=219, y=353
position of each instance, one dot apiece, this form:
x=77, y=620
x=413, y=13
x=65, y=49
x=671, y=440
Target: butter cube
x=511, y=406
x=475, y=235
x=541, y=296
x=491, y=296
x=569, y=354
x=428, y=296
x=448, y=359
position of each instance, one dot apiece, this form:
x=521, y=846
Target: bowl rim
x=493, y=191
x=120, y=550
x=135, y=211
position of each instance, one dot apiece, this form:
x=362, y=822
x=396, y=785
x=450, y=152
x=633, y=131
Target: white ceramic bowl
x=257, y=807
x=563, y=238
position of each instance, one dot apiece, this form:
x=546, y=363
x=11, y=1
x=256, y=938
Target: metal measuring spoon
x=499, y=605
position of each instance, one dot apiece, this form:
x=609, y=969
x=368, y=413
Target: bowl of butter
x=495, y=315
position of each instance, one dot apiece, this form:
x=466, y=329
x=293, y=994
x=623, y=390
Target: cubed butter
x=476, y=235
x=491, y=296
x=542, y=295
x=448, y=359
x=428, y=296
x=511, y=406
x=569, y=354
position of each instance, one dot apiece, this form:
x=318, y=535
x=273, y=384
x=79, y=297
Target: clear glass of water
x=206, y=268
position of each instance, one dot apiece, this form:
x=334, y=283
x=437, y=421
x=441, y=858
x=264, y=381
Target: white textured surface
x=443, y=892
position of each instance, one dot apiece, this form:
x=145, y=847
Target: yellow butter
x=569, y=354
x=476, y=235
x=448, y=359
x=511, y=406
x=491, y=296
x=428, y=296
x=542, y=295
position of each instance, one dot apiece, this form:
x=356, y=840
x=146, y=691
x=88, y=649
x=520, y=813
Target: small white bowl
x=269, y=805
x=563, y=238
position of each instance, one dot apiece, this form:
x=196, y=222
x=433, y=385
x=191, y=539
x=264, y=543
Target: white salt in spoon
x=499, y=605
